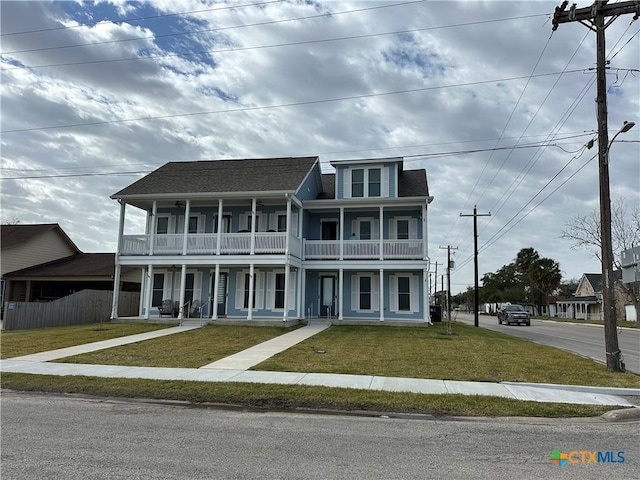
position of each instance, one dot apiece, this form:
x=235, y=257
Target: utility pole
x=449, y=264
x=435, y=284
x=595, y=18
x=476, y=303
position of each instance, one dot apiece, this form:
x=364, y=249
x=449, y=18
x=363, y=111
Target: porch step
x=193, y=322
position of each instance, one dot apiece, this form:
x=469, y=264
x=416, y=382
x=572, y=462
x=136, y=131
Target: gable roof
x=79, y=265
x=595, y=279
x=12, y=235
x=223, y=176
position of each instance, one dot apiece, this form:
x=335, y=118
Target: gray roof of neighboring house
x=12, y=235
x=411, y=183
x=80, y=265
x=595, y=279
x=223, y=176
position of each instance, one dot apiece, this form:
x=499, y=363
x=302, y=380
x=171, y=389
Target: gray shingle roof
x=80, y=265
x=223, y=176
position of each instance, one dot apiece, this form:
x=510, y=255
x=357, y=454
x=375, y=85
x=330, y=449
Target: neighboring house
x=275, y=239
x=586, y=303
x=24, y=246
x=59, y=278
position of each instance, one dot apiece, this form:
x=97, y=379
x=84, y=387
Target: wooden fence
x=80, y=308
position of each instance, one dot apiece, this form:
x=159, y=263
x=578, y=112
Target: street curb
x=621, y=391
x=624, y=415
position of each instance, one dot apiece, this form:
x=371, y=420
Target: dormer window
x=366, y=182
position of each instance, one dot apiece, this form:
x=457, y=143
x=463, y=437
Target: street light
x=612, y=349
x=626, y=126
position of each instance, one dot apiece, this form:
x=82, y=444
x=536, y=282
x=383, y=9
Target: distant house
x=586, y=302
x=277, y=240
x=41, y=263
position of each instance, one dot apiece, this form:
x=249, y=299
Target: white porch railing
x=354, y=249
x=207, y=244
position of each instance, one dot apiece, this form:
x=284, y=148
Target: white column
x=116, y=274
x=185, y=233
x=299, y=293
x=214, y=294
x=381, y=293
x=341, y=230
x=143, y=291
x=149, y=290
x=251, y=286
x=287, y=270
x=425, y=243
x=426, y=315
x=381, y=226
x=219, y=239
x=154, y=222
x=116, y=292
x=254, y=205
x=183, y=281
x=303, y=291
x=288, y=229
x=340, y=293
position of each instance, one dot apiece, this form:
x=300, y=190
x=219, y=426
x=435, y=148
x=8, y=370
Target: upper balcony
x=271, y=243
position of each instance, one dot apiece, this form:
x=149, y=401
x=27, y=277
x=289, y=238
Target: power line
x=283, y=105
x=262, y=47
x=208, y=30
x=136, y=19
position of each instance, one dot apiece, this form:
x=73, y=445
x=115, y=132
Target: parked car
x=513, y=314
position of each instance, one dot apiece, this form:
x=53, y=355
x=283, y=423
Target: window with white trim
x=365, y=292
x=404, y=293
x=403, y=228
x=242, y=290
x=158, y=290
x=366, y=182
x=276, y=290
x=162, y=224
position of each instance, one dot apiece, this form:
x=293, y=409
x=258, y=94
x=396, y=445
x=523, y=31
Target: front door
x=221, y=295
x=327, y=296
x=329, y=230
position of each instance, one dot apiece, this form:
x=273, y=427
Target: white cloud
x=441, y=118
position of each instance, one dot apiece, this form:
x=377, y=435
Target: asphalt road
x=54, y=437
x=585, y=340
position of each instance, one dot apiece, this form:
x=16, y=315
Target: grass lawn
x=191, y=349
x=296, y=396
x=471, y=354
x=15, y=343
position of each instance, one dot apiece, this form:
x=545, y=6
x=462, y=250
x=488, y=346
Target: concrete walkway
x=235, y=369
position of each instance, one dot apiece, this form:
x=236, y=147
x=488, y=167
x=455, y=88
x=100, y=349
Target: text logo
x=586, y=456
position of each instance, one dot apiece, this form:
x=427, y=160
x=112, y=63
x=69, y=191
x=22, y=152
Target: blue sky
x=481, y=94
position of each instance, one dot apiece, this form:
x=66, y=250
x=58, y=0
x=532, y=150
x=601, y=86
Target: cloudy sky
x=481, y=94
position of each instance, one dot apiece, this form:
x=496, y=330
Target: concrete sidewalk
x=235, y=369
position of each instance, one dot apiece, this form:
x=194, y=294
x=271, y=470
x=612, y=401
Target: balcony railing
x=207, y=244
x=270, y=243
x=363, y=249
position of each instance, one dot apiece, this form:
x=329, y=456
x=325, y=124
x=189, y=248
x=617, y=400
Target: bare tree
x=584, y=232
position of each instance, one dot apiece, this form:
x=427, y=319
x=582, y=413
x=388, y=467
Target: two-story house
x=275, y=239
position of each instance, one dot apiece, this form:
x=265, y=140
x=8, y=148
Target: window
x=402, y=229
x=365, y=293
x=226, y=224
x=188, y=287
x=404, y=294
x=245, y=304
x=282, y=223
x=279, y=291
x=365, y=230
x=193, y=224
x=357, y=183
x=162, y=225
x=158, y=289
x=374, y=182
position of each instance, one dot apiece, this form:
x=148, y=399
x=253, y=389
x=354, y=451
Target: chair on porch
x=194, y=309
x=166, y=308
